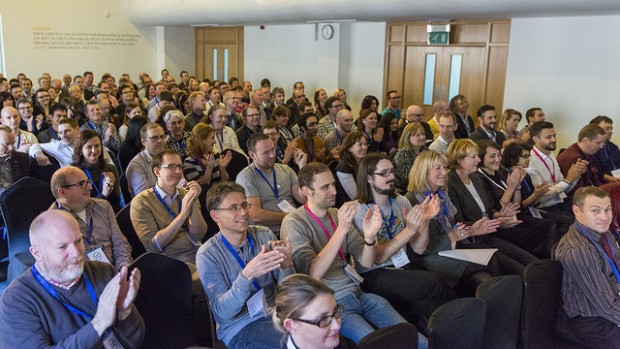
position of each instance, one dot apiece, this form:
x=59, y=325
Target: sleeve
x=144, y=223
x=191, y=169
x=120, y=245
x=534, y=170
x=245, y=180
x=303, y=252
x=437, y=239
x=130, y=332
x=456, y=201
x=348, y=184
x=225, y=301
x=235, y=142
x=136, y=177
x=584, y=267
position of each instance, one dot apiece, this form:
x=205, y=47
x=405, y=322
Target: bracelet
x=370, y=244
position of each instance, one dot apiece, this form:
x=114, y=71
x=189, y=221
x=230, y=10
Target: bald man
x=415, y=113
x=23, y=139
x=344, y=125
x=65, y=300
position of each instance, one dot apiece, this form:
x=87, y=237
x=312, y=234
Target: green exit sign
x=439, y=38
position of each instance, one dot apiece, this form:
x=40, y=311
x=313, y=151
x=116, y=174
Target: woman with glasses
x=518, y=155
x=42, y=103
x=202, y=164
x=476, y=211
x=367, y=124
x=352, y=151
x=503, y=188
x=307, y=313
x=88, y=156
x=410, y=145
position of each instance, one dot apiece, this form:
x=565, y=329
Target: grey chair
x=502, y=295
x=457, y=324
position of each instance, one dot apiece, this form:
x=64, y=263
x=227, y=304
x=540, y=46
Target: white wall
x=567, y=66
x=352, y=60
x=128, y=48
x=180, y=50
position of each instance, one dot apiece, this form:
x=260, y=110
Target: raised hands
x=483, y=226
x=373, y=220
x=264, y=262
x=346, y=213
x=116, y=300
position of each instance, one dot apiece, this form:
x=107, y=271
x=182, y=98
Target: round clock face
x=327, y=31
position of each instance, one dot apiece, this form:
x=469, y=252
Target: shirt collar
x=164, y=195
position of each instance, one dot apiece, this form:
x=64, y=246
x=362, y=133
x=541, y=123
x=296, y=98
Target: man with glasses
x=13, y=164
x=231, y=102
x=308, y=142
x=9, y=116
x=103, y=238
x=251, y=117
x=327, y=123
x=177, y=140
x=393, y=276
x=29, y=122
x=240, y=268
x=140, y=174
x=393, y=103
x=160, y=86
x=296, y=106
x=271, y=188
x=327, y=247
x=415, y=113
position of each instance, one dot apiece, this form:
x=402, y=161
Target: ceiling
x=255, y=12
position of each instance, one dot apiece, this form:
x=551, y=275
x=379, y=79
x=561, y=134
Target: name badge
x=111, y=342
x=257, y=304
x=96, y=254
x=616, y=173
x=400, y=258
x=535, y=212
x=357, y=278
x=286, y=206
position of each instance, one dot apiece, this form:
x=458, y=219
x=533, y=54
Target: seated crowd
x=303, y=225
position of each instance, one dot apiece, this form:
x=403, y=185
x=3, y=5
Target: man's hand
x=346, y=214
x=128, y=292
x=373, y=220
x=508, y=222
x=286, y=249
x=24, y=146
x=541, y=189
x=576, y=170
x=189, y=198
x=42, y=159
x=509, y=210
x=107, y=307
x=300, y=158
x=264, y=262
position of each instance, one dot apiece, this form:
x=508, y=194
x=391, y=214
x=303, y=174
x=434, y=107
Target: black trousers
x=594, y=332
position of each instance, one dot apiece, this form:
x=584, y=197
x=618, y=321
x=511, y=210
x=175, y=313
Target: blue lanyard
x=442, y=199
x=339, y=136
x=174, y=215
x=389, y=223
x=274, y=188
x=220, y=142
x=92, y=126
x=100, y=187
x=46, y=285
x=611, y=263
x=238, y=258
x=367, y=136
x=19, y=138
x=54, y=133
x=90, y=232
x=310, y=155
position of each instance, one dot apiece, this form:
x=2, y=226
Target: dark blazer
x=461, y=131
x=243, y=134
x=19, y=165
x=479, y=134
x=467, y=209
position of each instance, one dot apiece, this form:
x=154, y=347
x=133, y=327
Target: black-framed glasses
x=235, y=208
x=172, y=166
x=325, y=320
x=157, y=138
x=385, y=173
x=522, y=156
x=82, y=184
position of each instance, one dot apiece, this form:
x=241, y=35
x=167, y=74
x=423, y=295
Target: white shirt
x=545, y=172
x=439, y=145
x=227, y=140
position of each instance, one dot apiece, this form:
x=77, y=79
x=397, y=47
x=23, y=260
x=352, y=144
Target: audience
x=202, y=164
x=140, y=174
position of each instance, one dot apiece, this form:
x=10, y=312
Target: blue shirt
x=608, y=158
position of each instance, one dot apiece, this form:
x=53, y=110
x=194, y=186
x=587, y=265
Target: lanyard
x=221, y=142
x=611, y=263
x=331, y=220
x=442, y=199
x=46, y=285
x=367, y=136
x=310, y=155
x=97, y=188
x=92, y=126
x=238, y=258
x=19, y=138
x=545, y=163
x=273, y=188
x=389, y=223
x=90, y=232
x=54, y=133
x=339, y=136
x=166, y=205
x=503, y=185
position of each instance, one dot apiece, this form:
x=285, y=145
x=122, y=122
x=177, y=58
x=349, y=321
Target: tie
x=607, y=247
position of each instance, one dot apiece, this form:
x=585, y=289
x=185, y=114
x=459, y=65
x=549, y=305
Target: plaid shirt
x=179, y=146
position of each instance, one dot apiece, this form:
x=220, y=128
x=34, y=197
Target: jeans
x=260, y=334
x=361, y=308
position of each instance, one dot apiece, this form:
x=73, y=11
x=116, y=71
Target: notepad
x=480, y=256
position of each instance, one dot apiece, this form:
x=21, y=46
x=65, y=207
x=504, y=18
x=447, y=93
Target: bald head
x=415, y=113
x=344, y=120
x=10, y=117
x=439, y=108
x=48, y=221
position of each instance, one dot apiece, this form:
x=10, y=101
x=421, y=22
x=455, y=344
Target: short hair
x=409, y=130
x=330, y=101
x=40, y=225
x=92, y=102
x=73, y=123
x=484, y=108
x=538, y=126
x=306, y=174
x=277, y=90
x=265, y=82
x=158, y=83
x=367, y=167
x=529, y=114
x=293, y=294
x=244, y=112
x=231, y=80
x=218, y=192
x=87, y=73
x=512, y=152
x=303, y=119
x=158, y=159
x=192, y=98
x=195, y=141
x=254, y=139
x=580, y=195
x=173, y=112
x=590, y=131
x=166, y=96
x=59, y=179
x=387, y=95
x=458, y=150
x=483, y=145
x=280, y=111
x=57, y=107
x=601, y=118
x=418, y=175
x=149, y=126
x=269, y=124
x=212, y=111
x=23, y=101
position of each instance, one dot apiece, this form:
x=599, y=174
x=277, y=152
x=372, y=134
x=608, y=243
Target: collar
x=543, y=155
x=442, y=140
x=163, y=194
x=594, y=235
x=59, y=285
x=147, y=156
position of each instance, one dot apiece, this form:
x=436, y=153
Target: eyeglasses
x=235, y=208
x=525, y=156
x=157, y=138
x=397, y=97
x=385, y=173
x=337, y=106
x=325, y=320
x=24, y=108
x=82, y=184
x=252, y=115
x=127, y=92
x=311, y=124
x=172, y=167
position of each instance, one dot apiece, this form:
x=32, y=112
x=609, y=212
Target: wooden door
x=474, y=64
x=219, y=53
